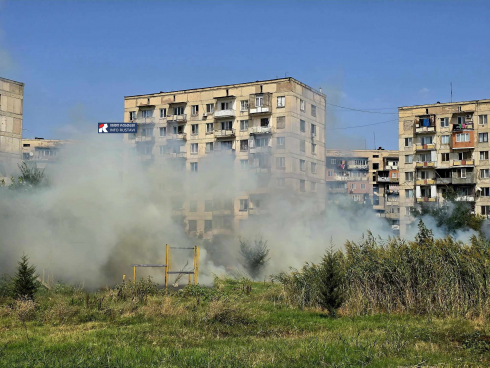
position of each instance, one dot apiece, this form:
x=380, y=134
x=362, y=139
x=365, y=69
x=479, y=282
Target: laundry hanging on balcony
x=425, y=122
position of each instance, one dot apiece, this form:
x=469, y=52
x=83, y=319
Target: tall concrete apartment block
x=444, y=145
x=366, y=176
x=273, y=127
x=11, y=104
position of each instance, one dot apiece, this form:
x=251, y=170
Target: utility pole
x=451, y=91
x=374, y=134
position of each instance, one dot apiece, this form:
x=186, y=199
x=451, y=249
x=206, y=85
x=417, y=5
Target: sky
x=78, y=59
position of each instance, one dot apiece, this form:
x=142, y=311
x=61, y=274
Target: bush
x=330, y=282
x=254, y=256
x=24, y=282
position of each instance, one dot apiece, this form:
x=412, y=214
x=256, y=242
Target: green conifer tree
x=24, y=283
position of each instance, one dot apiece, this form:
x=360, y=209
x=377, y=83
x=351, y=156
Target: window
x=147, y=113
x=132, y=115
x=463, y=137
x=194, y=148
x=394, y=174
x=302, y=165
x=302, y=105
x=195, y=129
x=192, y=225
x=313, y=186
x=482, y=137
x=281, y=142
x=162, y=150
x=352, y=186
x=244, y=105
x=226, y=125
x=227, y=145
x=264, y=122
x=244, y=164
x=243, y=204
x=147, y=132
x=313, y=168
x=209, y=127
x=445, y=139
x=209, y=147
x=209, y=108
x=482, y=119
x=313, y=130
x=330, y=173
x=225, y=106
x=195, y=110
x=244, y=145
x=259, y=101
x=484, y=173
x=302, y=185
x=485, y=192
x=280, y=163
x=483, y=155
x=194, y=167
x=243, y=125
x=409, y=193
x=302, y=126
x=375, y=166
x=409, y=176
x=208, y=225
x=193, y=206
x=281, y=182
x=261, y=142
x=333, y=161
x=464, y=155
x=302, y=145
x=163, y=131
x=313, y=110
x=408, y=142
x=426, y=140
x=485, y=210
x=179, y=110
x=208, y=205
x=281, y=101
x=444, y=122
x=363, y=186
x=408, y=159
x=444, y=157
x=281, y=122
x=360, y=162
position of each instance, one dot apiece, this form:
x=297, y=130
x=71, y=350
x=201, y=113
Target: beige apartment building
x=11, y=105
x=272, y=130
x=42, y=153
x=366, y=176
x=444, y=145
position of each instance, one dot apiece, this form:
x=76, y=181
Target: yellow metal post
x=167, y=265
x=196, y=272
x=124, y=279
x=43, y=275
x=134, y=274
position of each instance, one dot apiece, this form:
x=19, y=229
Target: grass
x=229, y=325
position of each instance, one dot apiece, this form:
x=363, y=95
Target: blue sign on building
x=117, y=127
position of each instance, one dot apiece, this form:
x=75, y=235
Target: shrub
x=254, y=256
x=24, y=282
x=330, y=282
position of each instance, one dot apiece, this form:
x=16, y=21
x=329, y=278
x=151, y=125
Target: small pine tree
x=24, y=283
x=330, y=282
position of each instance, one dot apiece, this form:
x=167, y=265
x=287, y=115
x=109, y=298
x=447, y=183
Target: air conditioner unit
x=204, y=115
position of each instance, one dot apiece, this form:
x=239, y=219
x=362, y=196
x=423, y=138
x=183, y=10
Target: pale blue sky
x=79, y=58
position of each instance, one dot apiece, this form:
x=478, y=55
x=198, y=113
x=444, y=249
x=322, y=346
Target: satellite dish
x=31, y=154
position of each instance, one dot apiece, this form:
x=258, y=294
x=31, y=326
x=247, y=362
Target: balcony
x=178, y=154
x=425, y=182
x=392, y=203
x=223, y=133
x=425, y=124
x=177, y=118
x=222, y=152
x=265, y=149
x=260, y=130
x=469, y=179
x=444, y=181
x=426, y=199
x=144, y=120
x=337, y=190
x=145, y=138
x=358, y=167
x=260, y=103
x=462, y=163
x=425, y=147
x=387, y=179
x=391, y=167
x=465, y=198
x=178, y=136
x=229, y=113
x=392, y=215
x=463, y=126
x=425, y=164
x=395, y=227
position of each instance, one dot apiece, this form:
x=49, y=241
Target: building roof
x=11, y=81
x=445, y=104
x=230, y=86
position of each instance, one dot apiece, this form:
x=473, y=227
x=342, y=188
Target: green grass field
x=226, y=326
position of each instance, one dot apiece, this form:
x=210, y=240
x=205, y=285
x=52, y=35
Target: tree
x=424, y=235
x=330, y=282
x=254, y=256
x=30, y=177
x=24, y=282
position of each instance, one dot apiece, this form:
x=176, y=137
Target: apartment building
x=273, y=131
x=42, y=153
x=11, y=105
x=366, y=176
x=444, y=145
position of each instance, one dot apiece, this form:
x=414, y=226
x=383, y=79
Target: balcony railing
x=463, y=126
x=260, y=130
x=395, y=227
x=177, y=118
x=426, y=199
x=426, y=129
x=224, y=113
x=145, y=138
x=337, y=190
x=391, y=167
x=144, y=120
x=425, y=147
x=469, y=179
x=425, y=181
x=358, y=167
x=260, y=103
x=224, y=133
x=178, y=154
x=178, y=136
x=462, y=163
x=465, y=198
x=265, y=149
x=444, y=181
x=425, y=164
x=392, y=215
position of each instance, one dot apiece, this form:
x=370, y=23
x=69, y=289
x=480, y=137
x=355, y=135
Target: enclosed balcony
x=228, y=113
x=463, y=121
x=459, y=177
x=177, y=136
x=260, y=130
x=142, y=120
x=260, y=103
x=145, y=138
x=224, y=133
x=425, y=124
x=182, y=118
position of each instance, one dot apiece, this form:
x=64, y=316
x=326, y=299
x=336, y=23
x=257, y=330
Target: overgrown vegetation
x=30, y=178
x=254, y=256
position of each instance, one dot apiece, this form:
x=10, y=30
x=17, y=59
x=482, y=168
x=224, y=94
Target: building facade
x=42, y=153
x=366, y=176
x=273, y=130
x=442, y=146
x=11, y=111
